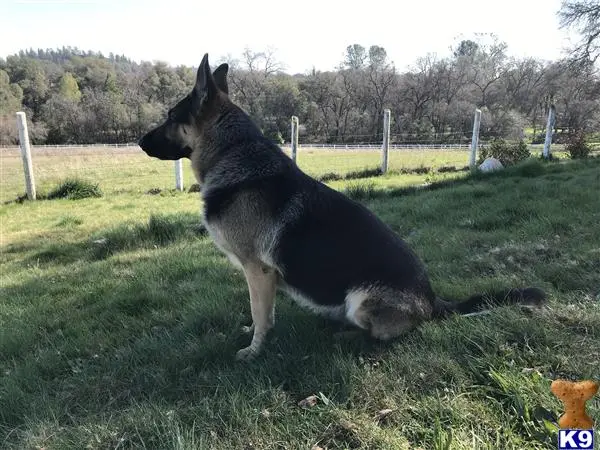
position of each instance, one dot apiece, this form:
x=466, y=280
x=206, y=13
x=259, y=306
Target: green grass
x=75, y=189
x=129, y=170
x=119, y=322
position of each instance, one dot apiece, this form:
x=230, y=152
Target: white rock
x=490, y=164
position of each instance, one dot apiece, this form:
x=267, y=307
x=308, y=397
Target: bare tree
x=264, y=62
x=249, y=80
x=584, y=16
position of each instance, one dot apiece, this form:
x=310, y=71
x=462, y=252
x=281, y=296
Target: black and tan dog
x=288, y=231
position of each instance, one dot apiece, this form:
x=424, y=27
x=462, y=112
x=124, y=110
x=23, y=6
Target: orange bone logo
x=573, y=395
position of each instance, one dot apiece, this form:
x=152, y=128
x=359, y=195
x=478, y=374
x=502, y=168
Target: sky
x=303, y=34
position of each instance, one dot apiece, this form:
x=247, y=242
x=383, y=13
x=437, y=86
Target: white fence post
x=26, y=155
x=385, y=147
x=295, y=124
x=179, y=175
x=475, y=139
x=549, y=128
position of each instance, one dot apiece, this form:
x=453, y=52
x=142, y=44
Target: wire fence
x=126, y=168
x=123, y=168
x=119, y=168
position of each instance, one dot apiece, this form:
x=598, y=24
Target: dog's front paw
x=246, y=354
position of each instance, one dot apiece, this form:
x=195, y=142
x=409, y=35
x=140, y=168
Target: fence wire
x=126, y=168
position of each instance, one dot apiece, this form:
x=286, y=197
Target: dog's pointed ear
x=205, y=83
x=220, y=76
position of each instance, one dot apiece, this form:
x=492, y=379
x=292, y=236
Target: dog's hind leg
x=262, y=284
x=387, y=314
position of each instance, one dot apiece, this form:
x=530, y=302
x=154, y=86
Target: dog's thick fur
x=290, y=232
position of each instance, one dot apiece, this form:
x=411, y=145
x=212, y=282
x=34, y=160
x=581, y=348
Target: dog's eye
x=184, y=130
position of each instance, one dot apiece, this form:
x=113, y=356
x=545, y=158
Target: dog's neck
x=234, y=150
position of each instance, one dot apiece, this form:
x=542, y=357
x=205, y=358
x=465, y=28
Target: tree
x=381, y=76
x=466, y=47
x=284, y=100
x=63, y=117
x=76, y=96
x=485, y=67
x=523, y=87
x=251, y=86
x=11, y=96
x=68, y=87
x=264, y=62
x=356, y=55
x=29, y=74
x=377, y=56
x=576, y=93
x=584, y=16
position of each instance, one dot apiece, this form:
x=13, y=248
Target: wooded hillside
x=76, y=96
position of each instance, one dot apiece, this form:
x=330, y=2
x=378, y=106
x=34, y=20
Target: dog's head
x=181, y=133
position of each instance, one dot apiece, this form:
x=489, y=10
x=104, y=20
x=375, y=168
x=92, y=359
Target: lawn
x=129, y=170
x=119, y=320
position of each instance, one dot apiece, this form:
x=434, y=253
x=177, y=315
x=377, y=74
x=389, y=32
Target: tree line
x=74, y=96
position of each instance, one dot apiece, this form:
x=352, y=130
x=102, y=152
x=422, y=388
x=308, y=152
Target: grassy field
x=119, y=320
x=129, y=170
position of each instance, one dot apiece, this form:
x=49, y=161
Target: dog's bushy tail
x=529, y=296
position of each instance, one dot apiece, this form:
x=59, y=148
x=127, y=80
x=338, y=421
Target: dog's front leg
x=262, y=284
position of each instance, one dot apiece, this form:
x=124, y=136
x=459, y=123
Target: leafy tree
x=11, y=95
x=68, y=87
x=29, y=74
x=467, y=48
x=63, y=118
x=356, y=55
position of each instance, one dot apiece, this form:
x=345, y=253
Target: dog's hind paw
x=246, y=354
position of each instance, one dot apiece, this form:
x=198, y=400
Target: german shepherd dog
x=290, y=232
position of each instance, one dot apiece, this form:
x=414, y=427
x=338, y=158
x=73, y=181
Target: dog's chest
x=218, y=237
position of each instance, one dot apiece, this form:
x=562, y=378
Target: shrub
x=364, y=173
x=361, y=190
x=75, y=189
x=329, y=176
x=577, y=146
x=507, y=153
